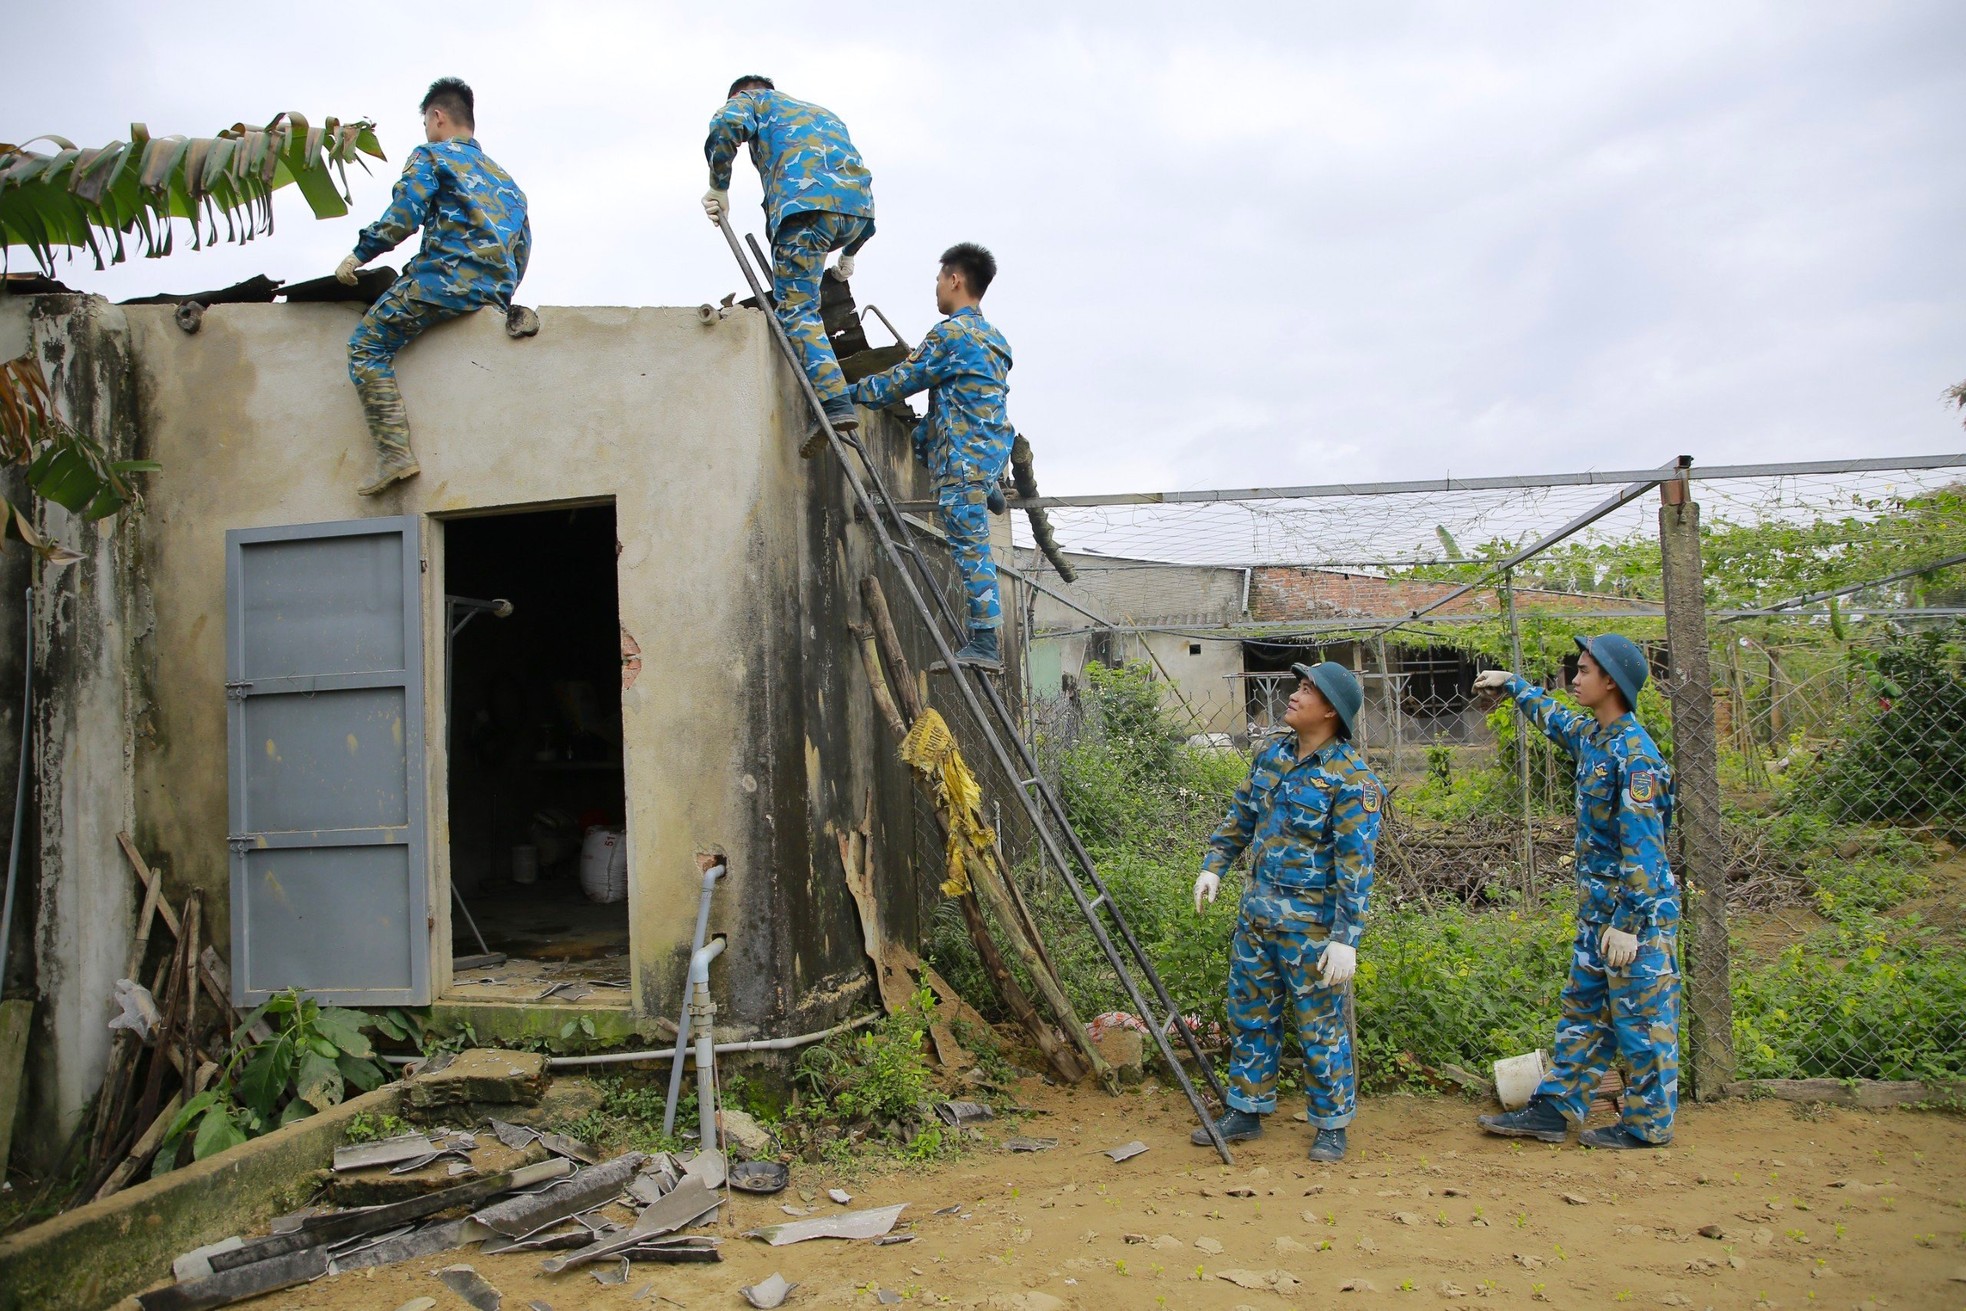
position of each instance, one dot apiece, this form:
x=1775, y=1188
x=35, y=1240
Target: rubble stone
x=1124, y=1050
x=481, y=1075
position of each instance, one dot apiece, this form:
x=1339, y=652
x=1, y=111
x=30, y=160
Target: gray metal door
x=324, y=688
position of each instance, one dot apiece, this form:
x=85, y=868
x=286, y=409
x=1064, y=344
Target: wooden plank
x=15, y=1019
x=218, y=985
x=218, y=979
x=1702, y=862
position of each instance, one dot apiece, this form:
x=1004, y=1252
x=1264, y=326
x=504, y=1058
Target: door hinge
x=239, y=845
x=238, y=691
x=423, y=566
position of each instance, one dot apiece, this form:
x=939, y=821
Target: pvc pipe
x=710, y=877
x=720, y=1049
x=704, y=1012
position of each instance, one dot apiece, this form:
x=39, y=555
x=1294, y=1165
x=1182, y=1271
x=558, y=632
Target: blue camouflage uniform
x=964, y=439
x=819, y=198
x=476, y=242
x=1624, y=807
x=1311, y=824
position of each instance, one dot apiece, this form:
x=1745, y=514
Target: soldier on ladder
x=965, y=437
x=819, y=198
x=1311, y=809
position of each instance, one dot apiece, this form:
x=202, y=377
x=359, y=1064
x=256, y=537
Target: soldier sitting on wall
x=476, y=241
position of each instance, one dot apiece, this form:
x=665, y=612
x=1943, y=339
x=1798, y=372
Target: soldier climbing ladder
x=1040, y=800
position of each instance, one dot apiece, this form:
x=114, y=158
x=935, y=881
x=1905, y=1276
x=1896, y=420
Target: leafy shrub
x=1868, y=999
x=315, y=1055
x=878, y=1074
x=1905, y=758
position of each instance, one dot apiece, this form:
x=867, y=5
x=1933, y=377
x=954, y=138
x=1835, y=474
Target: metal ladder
x=993, y=719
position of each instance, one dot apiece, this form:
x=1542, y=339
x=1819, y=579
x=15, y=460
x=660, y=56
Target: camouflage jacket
x=1312, y=824
x=804, y=157
x=1624, y=807
x=965, y=365
x=476, y=239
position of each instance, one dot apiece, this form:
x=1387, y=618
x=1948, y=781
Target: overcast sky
x=1240, y=245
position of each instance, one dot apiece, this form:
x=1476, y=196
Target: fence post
x=1521, y=750
x=1696, y=812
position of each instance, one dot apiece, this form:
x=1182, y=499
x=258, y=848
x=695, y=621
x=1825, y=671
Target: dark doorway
x=537, y=807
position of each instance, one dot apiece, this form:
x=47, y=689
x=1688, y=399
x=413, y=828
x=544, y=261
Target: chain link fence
x=1838, y=726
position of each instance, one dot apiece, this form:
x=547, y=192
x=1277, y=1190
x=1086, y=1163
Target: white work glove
x=1619, y=949
x=716, y=203
x=344, y=272
x=844, y=269
x=1340, y=963
x=1206, y=886
x=1493, y=680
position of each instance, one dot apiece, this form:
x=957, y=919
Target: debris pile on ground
x=630, y=1208
x=170, y=1039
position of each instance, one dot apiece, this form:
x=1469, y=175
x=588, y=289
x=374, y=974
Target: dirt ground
x=1814, y=1207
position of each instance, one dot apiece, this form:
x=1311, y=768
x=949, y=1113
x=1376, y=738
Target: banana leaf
x=94, y=199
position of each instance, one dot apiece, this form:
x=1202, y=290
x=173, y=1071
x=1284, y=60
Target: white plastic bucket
x=604, y=865
x=525, y=864
x=1517, y=1078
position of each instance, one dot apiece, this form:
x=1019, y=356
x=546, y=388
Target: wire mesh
x=1839, y=696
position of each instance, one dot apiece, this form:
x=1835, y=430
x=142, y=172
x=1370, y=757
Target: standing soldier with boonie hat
x=1622, y=998
x=1309, y=814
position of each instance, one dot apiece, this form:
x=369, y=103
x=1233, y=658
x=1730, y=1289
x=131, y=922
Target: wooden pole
x=1696, y=812
x=984, y=879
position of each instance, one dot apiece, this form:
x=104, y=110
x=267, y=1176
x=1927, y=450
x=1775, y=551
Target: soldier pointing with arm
x=1309, y=814
x=1622, y=998
x=819, y=198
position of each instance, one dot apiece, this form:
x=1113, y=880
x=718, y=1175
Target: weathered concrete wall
x=88, y=698
x=748, y=729
x=683, y=425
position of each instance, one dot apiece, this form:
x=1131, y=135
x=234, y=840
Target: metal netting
x=1834, y=606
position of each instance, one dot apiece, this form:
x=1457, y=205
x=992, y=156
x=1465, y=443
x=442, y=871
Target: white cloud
x=1243, y=246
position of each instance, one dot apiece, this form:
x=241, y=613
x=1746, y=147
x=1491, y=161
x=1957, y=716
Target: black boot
x=1329, y=1145
x=1234, y=1126
x=1540, y=1119
x=983, y=652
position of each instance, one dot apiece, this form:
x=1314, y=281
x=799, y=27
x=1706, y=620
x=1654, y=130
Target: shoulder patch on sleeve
x=1643, y=785
x=1371, y=797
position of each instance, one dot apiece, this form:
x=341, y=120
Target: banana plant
x=103, y=200
x=94, y=199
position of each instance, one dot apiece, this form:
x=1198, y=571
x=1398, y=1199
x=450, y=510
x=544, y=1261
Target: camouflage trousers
x=966, y=521
x=798, y=261
x=1633, y=1013
x=1273, y=978
x=398, y=316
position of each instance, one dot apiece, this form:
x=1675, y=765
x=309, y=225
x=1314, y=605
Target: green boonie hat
x=1339, y=686
x=1618, y=656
